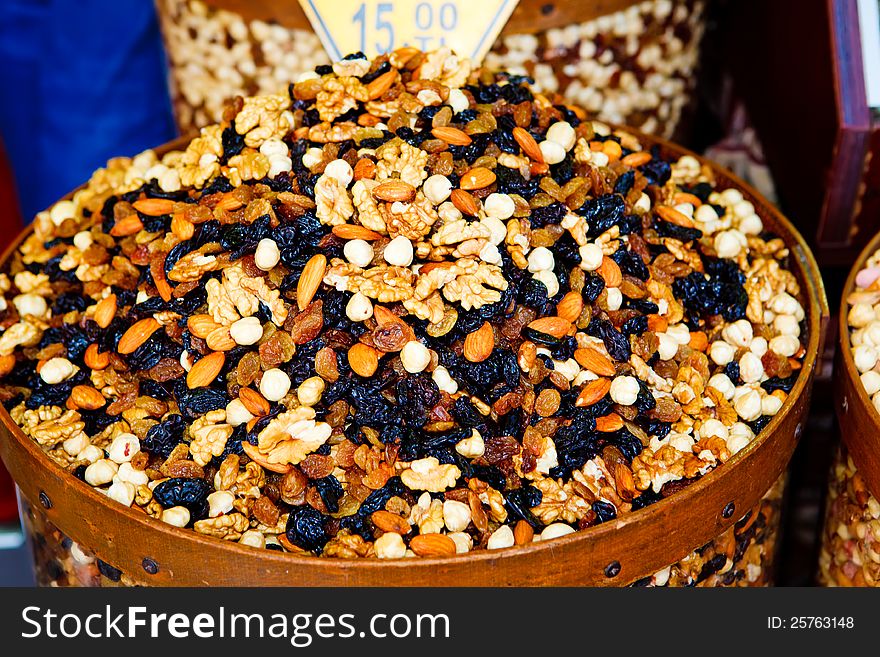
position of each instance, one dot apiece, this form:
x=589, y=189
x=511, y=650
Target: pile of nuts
x=863, y=318
x=409, y=307
x=635, y=66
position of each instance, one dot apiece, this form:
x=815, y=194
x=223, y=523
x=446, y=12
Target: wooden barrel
x=850, y=553
x=625, y=61
x=719, y=530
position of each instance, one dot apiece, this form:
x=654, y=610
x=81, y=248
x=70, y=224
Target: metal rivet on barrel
x=547, y=9
x=728, y=510
x=150, y=566
x=612, y=569
x=45, y=501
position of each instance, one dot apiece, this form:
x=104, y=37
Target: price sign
x=469, y=27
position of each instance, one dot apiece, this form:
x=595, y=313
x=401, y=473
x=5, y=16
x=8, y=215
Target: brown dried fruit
x=306, y=325
x=205, y=370
x=265, y=511
x=317, y=466
x=326, y=365
x=478, y=345
x=7, y=363
x=279, y=348
x=432, y=545
x=310, y=280
x=136, y=335
x=548, y=402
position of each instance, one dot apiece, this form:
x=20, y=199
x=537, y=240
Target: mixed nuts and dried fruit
x=409, y=308
x=849, y=554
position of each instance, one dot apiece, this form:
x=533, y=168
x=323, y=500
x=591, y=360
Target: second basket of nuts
x=409, y=308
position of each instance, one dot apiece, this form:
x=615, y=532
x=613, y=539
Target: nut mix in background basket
x=849, y=554
x=635, y=66
x=408, y=308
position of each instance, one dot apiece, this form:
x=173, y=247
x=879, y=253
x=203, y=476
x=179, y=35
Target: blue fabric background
x=80, y=81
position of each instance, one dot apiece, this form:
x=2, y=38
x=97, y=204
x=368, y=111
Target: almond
x=523, y=533
x=390, y=522
x=528, y=144
x=355, y=232
x=7, y=363
x=609, y=423
x=201, y=325
x=181, y=227
x=154, y=207
x=465, y=202
x=87, y=397
x=394, y=190
x=363, y=359
x=205, y=370
x=254, y=402
x=571, y=306
x=130, y=225
x=556, y=326
x=477, y=178
x=220, y=339
x=105, y=311
x=478, y=345
x=228, y=202
x=377, y=87
x=538, y=169
x=610, y=272
x=310, y=280
x=451, y=135
x=685, y=197
x=259, y=458
x=136, y=335
x=95, y=359
x=626, y=486
x=365, y=169
x=594, y=360
x=592, y=392
x=636, y=159
x=432, y=545
x=673, y=216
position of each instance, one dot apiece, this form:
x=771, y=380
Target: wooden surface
x=859, y=421
x=642, y=542
x=530, y=16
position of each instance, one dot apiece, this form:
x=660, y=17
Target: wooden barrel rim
x=530, y=16
x=616, y=552
x=859, y=420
